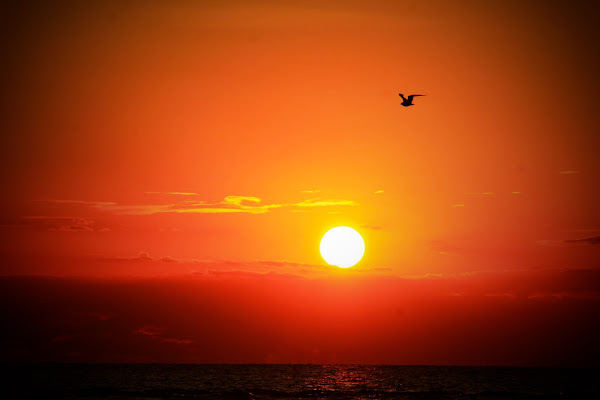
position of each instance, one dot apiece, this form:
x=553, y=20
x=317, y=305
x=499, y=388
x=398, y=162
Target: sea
x=275, y=381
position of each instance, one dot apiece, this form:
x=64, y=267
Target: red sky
x=170, y=168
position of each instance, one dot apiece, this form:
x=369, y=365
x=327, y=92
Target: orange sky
x=204, y=149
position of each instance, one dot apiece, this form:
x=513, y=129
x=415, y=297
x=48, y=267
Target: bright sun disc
x=342, y=246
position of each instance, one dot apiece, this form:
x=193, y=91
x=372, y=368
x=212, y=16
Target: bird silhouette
x=408, y=101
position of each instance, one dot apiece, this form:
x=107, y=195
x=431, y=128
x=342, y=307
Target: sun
x=342, y=246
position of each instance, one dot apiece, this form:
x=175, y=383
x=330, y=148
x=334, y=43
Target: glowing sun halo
x=342, y=246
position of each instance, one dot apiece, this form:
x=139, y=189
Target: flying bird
x=409, y=101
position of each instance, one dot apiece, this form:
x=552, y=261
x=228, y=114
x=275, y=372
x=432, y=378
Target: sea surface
x=189, y=381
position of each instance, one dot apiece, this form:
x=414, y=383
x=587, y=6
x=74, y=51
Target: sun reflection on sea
x=344, y=378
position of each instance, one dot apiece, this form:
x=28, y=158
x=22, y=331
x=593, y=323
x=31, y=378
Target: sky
x=169, y=169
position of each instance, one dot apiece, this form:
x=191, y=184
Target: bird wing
x=401, y=95
x=410, y=98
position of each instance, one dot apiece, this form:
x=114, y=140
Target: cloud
x=175, y=193
x=149, y=330
x=564, y=295
x=156, y=332
x=283, y=263
x=112, y=206
x=264, y=268
x=569, y=172
x=324, y=203
x=168, y=259
x=230, y=204
x=197, y=318
x=141, y=257
x=551, y=243
x=506, y=295
x=594, y=240
x=236, y=204
x=590, y=241
x=83, y=202
x=144, y=264
x=63, y=224
x=78, y=225
x=135, y=209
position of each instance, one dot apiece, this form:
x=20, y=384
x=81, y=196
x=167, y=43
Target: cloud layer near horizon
x=541, y=317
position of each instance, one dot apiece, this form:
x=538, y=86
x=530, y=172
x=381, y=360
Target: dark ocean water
x=172, y=381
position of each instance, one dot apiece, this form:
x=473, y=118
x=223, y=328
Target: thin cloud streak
x=590, y=241
x=157, y=333
x=59, y=223
x=230, y=204
x=595, y=240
